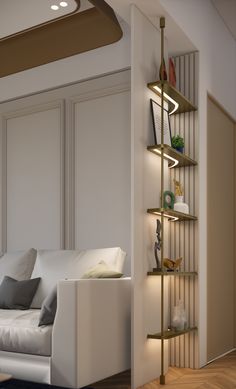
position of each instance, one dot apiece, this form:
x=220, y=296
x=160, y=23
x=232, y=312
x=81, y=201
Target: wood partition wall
x=221, y=217
x=183, y=236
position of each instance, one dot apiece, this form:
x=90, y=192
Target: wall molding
x=71, y=151
x=20, y=113
x=65, y=98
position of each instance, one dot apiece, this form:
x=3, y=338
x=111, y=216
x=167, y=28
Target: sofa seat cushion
x=19, y=332
x=54, y=265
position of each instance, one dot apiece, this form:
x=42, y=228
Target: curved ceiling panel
x=73, y=34
x=19, y=15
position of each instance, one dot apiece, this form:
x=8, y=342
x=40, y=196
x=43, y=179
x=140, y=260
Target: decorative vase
x=180, y=206
x=162, y=71
x=172, y=74
x=179, y=318
x=179, y=149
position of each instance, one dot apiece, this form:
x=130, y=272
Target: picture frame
x=156, y=119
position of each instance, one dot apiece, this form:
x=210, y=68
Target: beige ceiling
x=227, y=11
x=18, y=15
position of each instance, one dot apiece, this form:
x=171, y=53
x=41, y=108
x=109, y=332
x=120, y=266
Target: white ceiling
x=227, y=11
x=18, y=15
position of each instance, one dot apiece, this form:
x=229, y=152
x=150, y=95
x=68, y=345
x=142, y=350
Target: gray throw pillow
x=17, y=294
x=48, y=309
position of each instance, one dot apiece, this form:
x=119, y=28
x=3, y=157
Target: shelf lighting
x=176, y=162
x=172, y=218
x=176, y=105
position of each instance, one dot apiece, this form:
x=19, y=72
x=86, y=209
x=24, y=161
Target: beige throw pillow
x=102, y=270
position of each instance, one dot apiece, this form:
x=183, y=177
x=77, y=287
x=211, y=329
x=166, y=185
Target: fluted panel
x=183, y=236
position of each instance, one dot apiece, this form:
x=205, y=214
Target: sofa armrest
x=91, y=332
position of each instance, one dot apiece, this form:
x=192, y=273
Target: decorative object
x=172, y=74
x=102, y=270
x=179, y=319
x=162, y=71
x=179, y=204
x=171, y=264
x=178, y=143
x=178, y=188
x=156, y=118
x=169, y=199
x=157, y=245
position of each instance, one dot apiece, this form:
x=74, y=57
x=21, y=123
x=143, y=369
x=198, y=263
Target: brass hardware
x=183, y=160
x=169, y=334
x=172, y=273
x=162, y=22
x=172, y=214
x=177, y=103
x=184, y=104
x=162, y=379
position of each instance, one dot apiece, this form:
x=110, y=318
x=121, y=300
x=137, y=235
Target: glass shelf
x=183, y=104
x=174, y=157
x=171, y=333
x=172, y=273
x=171, y=214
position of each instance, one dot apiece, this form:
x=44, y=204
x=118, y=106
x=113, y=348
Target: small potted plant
x=178, y=143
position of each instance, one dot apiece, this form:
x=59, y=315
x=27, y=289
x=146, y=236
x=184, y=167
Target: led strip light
x=176, y=162
x=176, y=105
x=173, y=218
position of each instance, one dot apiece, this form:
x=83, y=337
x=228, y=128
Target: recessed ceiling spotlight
x=54, y=7
x=63, y=4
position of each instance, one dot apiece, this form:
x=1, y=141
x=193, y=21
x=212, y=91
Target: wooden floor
x=220, y=374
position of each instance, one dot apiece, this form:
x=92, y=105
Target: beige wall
x=220, y=230
x=65, y=167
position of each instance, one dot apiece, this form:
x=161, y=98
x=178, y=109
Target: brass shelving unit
x=177, y=103
x=184, y=105
x=169, y=334
x=181, y=160
x=171, y=214
x=172, y=273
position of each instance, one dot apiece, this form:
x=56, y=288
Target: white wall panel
x=102, y=171
x=34, y=178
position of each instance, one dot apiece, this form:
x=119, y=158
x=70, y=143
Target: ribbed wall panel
x=183, y=236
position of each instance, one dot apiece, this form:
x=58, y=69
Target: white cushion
x=55, y=265
x=19, y=332
x=18, y=264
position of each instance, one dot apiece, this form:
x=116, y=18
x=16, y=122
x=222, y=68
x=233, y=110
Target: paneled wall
x=184, y=235
x=34, y=177
x=220, y=231
x=65, y=167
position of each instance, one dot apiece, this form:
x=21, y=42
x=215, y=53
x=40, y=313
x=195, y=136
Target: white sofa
x=90, y=337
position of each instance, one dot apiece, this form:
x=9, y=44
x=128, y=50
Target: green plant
x=177, y=141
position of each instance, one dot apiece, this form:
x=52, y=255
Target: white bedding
x=19, y=332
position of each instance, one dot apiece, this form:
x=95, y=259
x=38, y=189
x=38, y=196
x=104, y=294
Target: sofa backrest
x=18, y=264
x=54, y=265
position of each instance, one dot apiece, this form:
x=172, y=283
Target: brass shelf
x=171, y=333
x=184, y=104
x=171, y=214
x=173, y=273
x=181, y=160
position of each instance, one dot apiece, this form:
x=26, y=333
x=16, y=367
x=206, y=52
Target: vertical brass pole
x=162, y=26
